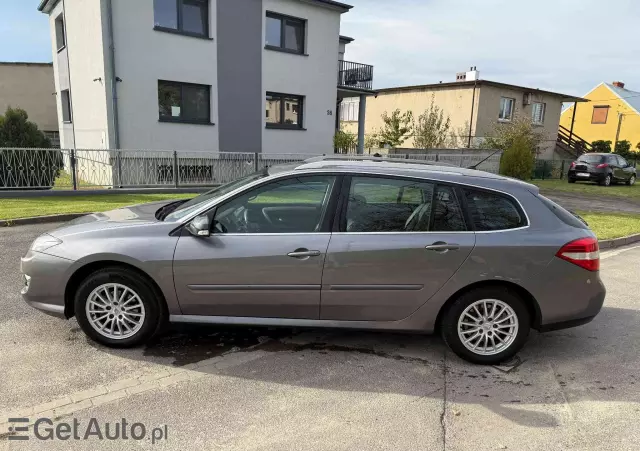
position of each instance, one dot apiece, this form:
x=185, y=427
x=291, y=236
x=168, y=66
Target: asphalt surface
x=265, y=389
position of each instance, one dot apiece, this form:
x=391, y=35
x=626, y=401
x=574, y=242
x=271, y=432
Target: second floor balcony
x=355, y=76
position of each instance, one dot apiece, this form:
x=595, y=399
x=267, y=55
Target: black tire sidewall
x=449, y=324
x=153, y=312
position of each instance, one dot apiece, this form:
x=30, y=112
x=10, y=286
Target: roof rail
x=372, y=158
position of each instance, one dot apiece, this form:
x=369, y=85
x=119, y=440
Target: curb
x=619, y=242
x=41, y=219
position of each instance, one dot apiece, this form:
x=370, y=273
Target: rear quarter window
x=563, y=215
x=493, y=211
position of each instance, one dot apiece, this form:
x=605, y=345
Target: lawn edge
x=41, y=219
x=619, y=242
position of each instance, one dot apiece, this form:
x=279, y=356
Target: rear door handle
x=442, y=247
x=303, y=253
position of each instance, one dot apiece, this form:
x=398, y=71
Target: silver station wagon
x=341, y=243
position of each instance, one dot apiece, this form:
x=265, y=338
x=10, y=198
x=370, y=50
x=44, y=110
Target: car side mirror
x=200, y=226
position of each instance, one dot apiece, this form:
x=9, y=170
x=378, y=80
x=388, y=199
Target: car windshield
x=220, y=191
x=591, y=158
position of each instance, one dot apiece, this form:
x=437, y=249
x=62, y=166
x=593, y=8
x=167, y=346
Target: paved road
x=262, y=389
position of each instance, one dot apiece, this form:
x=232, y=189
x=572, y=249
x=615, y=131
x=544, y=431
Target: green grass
x=607, y=226
x=42, y=206
x=590, y=189
x=64, y=182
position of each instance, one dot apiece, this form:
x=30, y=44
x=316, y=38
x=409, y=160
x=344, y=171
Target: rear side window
x=562, y=214
x=447, y=214
x=492, y=211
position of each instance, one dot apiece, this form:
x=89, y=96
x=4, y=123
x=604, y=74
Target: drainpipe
x=473, y=102
x=114, y=78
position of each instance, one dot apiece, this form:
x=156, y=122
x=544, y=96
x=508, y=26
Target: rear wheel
x=486, y=325
x=606, y=181
x=632, y=180
x=118, y=308
x=572, y=180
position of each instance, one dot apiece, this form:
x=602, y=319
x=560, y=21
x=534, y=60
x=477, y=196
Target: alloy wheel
x=488, y=327
x=632, y=180
x=115, y=311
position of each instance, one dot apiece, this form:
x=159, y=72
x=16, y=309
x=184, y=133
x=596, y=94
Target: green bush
x=601, y=146
x=518, y=161
x=345, y=141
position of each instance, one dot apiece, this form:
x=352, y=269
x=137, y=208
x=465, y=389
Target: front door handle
x=442, y=247
x=303, y=253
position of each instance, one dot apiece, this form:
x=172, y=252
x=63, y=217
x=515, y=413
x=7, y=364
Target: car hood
x=121, y=217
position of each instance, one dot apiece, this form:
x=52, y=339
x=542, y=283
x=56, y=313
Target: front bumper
x=47, y=281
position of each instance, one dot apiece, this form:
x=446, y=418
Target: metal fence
x=94, y=168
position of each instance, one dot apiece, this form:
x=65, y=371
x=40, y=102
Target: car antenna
x=475, y=166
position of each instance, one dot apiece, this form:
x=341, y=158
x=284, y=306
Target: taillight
x=573, y=164
x=602, y=165
x=583, y=252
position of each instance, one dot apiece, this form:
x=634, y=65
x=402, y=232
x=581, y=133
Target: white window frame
x=508, y=118
x=542, y=115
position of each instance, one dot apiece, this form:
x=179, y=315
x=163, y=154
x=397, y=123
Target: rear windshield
x=591, y=158
x=564, y=215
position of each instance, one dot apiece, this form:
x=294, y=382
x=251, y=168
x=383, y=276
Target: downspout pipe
x=473, y=104
x=114, y=78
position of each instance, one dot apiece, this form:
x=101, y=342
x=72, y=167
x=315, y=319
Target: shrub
x=601, y=146
x=518, y=160
x=344, y=141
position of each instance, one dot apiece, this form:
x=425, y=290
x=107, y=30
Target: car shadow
x=594, y=362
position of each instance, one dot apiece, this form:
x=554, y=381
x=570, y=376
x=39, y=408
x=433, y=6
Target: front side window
x=284, y=110
x=292, y=205
x=183, y=16
x=492, y=211
x=285, y=33
x=65, y=99
x=184, y=102
x=537, y=112
x=506, y=108
x=623, y=163
x=61, y=40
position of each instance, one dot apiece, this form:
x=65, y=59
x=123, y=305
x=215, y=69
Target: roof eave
x=338, y=6
x=47, y=5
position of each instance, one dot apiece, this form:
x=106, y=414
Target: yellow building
x=611, y=107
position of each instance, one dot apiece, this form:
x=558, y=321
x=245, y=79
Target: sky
x=568, y=46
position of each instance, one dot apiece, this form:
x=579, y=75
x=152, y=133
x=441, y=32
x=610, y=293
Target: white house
x=201, y=75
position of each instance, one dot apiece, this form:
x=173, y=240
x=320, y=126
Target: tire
x=631, y=181
x=606, y=181
x=572, y=180
x=500, y=296
x=143, y=312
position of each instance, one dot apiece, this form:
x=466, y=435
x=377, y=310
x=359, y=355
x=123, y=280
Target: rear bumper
x=566, y=324
x=593, y=176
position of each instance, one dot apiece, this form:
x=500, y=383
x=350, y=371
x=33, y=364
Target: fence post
x=72, y=160
x=119, y=161
x=562, y=170
x=255, y=161
x=437, y=158
x=544, y=168
x=176, y=182
x=406, y=156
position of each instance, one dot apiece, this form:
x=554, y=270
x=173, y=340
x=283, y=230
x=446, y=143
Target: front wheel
x=632, y=180
x=486, y=325
x=118, y=308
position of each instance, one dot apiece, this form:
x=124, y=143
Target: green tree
x=521, y=129
x=432, y=128
x=623, y=148
x=17, y=131
x=344, y=141
x=638, y=146
x=396, y=128
x=518, y=159
x=601, y=146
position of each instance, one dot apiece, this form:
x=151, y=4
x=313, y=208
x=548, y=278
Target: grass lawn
x=41, y=206
x=607, y=226
x=590, y=189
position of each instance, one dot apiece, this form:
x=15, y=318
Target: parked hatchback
x=376, y=245
x=602, y=168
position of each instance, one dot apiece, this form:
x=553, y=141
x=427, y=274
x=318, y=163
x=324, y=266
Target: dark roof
x=471, y=83
x=346, y=39
x=22, y=63
x=342, y=6
x=45, y=3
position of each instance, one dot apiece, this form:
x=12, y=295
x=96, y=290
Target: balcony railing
x=355, y=75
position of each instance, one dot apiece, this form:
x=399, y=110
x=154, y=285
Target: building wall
x=86, y=78
x=602, y=95
x=30, y=86
x=489, y=109
x=313, y=76
x=60, y=78
x=142, y=57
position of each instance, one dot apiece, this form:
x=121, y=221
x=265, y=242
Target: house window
x=600, y=114
x=279, y=116
x=537, y=112
x=506, y=108
x=61, y=40
x=285, y=33
x=190, y=17
x=65, y=100
x=184, y=102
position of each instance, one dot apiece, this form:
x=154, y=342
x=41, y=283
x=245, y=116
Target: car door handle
x=442, y=247
x=300, y=253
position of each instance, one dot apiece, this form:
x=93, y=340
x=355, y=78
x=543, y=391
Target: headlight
x=44, y=242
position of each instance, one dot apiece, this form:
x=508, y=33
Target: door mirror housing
x=200, y=226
